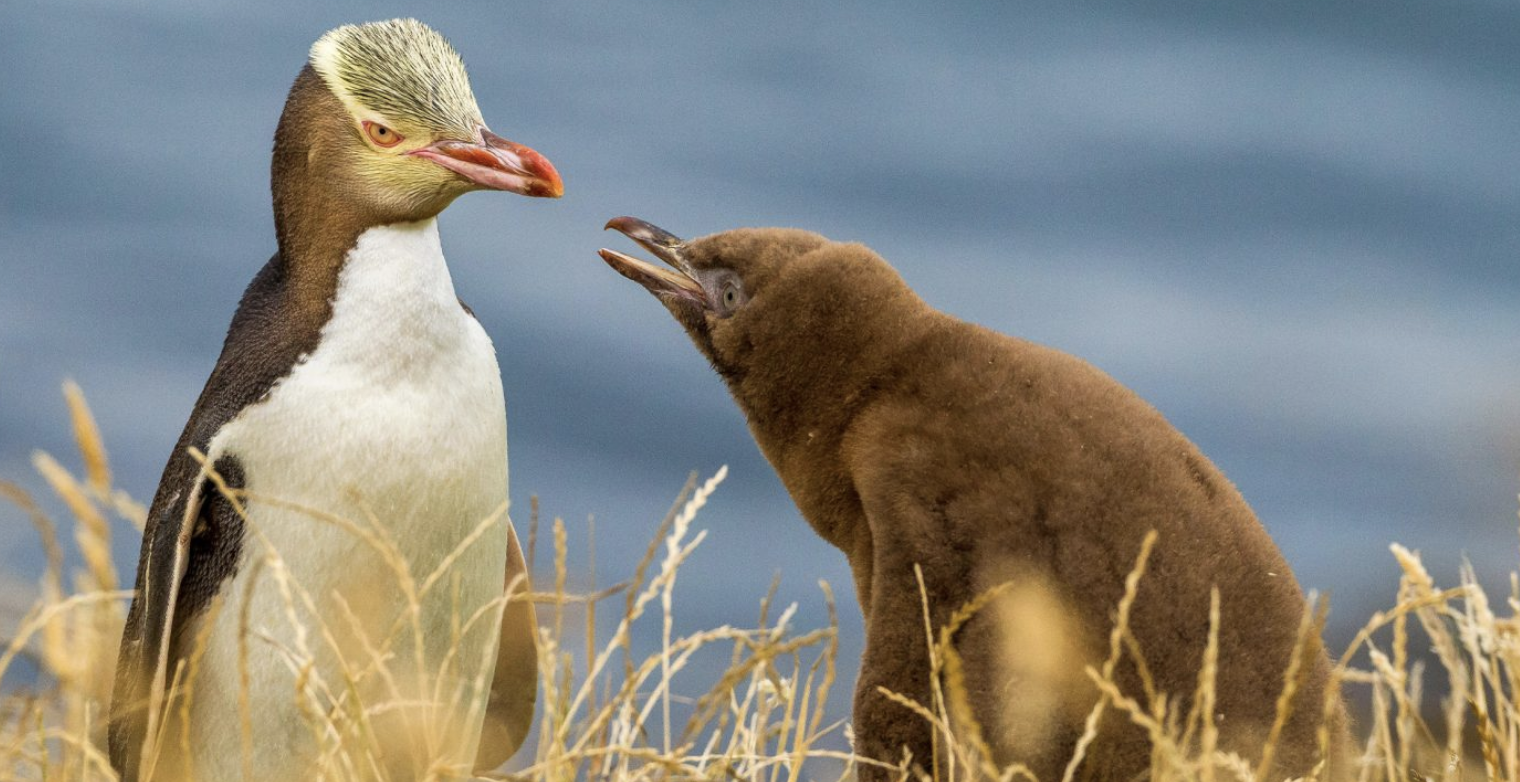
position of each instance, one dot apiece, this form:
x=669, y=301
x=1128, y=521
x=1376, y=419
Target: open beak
x=497, y=164
x=667, y=247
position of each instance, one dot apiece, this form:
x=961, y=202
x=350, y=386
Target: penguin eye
x=381, y=135
x=730, y=297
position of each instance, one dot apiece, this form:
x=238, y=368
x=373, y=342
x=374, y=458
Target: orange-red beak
x=497, y=164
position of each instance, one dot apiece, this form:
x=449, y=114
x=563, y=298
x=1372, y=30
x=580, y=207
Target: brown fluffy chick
x=909, y=438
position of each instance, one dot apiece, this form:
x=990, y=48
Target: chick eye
x=730, y=299
x=381, y=135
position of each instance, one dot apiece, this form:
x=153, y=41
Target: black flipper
x=514, y=685
x=193, y=537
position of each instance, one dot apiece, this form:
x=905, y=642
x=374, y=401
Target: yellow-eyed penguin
x=909, y=438
x=357, y=404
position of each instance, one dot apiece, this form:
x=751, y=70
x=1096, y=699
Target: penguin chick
x=910, y=439
x=350, y=598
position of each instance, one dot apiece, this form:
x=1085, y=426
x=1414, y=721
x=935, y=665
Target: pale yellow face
x=405, y=88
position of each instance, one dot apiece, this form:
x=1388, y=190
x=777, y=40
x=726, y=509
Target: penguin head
x=384, y=117
x=774, y=310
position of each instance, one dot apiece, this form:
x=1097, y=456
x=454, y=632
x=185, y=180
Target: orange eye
x=381, y=135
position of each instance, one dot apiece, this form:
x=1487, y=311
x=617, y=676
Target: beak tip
x=541, y=179
x=551, y=177
x=549, y=184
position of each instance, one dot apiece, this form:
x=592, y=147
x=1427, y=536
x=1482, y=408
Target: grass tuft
x=611, y=711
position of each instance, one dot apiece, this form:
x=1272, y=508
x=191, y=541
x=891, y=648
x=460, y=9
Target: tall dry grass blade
x=957, y=697
x=56, y=652
x=43, y=615
x=1207, y=695
x=1428, y=606
x=1142, y=669
x=1137, y=712
x=186, y=695
x=87, y=434
x=638, y=601
x=590, y=624
x=673, y=554
x=532, y=530
x=1311, y=620
x=19, y=497
x=757, y=747
x=561, y=575
x=941, y=738
x=244, y=705
x=1399, y=680
x=640, y=570
x=1131, y=589
x=446, y=565
x=92, y=534
x=827, y=659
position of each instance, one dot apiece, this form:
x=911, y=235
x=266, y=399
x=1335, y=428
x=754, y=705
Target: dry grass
x=609, y=712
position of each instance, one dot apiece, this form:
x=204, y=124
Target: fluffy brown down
x=908, y=437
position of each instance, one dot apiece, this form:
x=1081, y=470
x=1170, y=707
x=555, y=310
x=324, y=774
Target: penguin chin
x=694, y=321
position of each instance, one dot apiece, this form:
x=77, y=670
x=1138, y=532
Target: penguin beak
x=667, y=247
x=497, y=164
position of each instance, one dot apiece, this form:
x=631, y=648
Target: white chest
x=380, y=453
x=400, y=405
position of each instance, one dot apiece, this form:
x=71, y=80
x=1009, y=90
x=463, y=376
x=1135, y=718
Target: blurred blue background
x=1294, y=227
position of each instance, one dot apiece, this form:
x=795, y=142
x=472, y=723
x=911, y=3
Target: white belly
x=391, y=439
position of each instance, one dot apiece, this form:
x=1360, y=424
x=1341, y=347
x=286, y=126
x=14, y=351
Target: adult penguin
x=351, y=587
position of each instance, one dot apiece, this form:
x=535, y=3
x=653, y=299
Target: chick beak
x=665, y=246
x=497, y=164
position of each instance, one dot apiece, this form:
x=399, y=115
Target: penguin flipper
x=174, y=587
x=141, y=668
x=514, y=687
